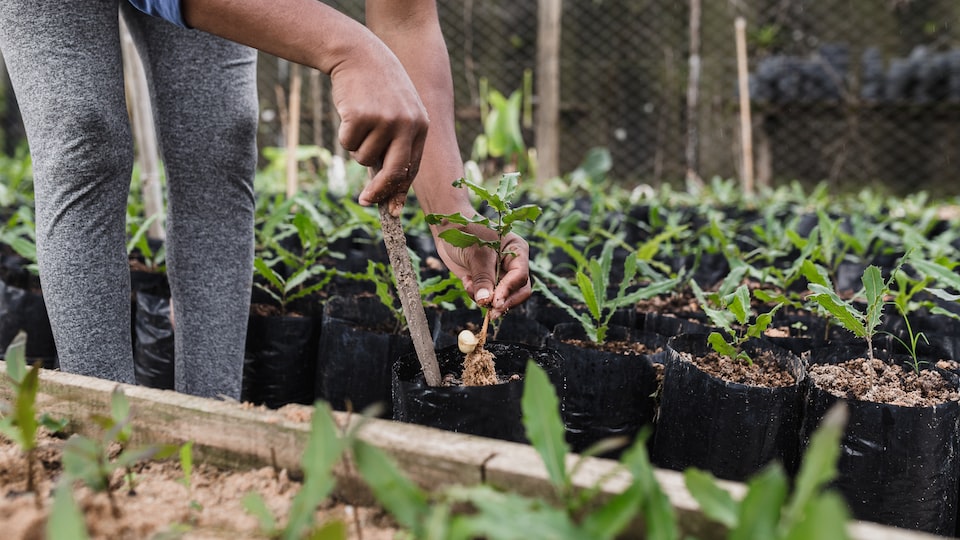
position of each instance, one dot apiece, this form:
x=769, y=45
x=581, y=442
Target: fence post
x=546, y=132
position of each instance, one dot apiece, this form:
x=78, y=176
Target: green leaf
x=507, y=187
x=16, y=358
x=825, y=518
x=80, y=460
x=120, y=412
x=527, y=212
x=332, y=530
x=874, y=288
x=24, y=410
x=814, y=273
x=65, y=519
x=846, y=315
x=254, y=504
x=323, y=451
x=819, y=465
x=544, y=428
x=760, y=509
x=589, y=294
x=267, y=273
x=740, y=304
x=715, y=502
x=459, y=238
x=406, y=502
x=720, y=345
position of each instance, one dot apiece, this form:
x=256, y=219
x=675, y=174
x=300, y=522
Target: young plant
x=66, y=519
x=862, y=324
x=811, y=511
x=731, y=312
x=309, y=274
x=19, y=421
x=479, y=368
x=575, y=514
x=139, y=243
x=89, y=460
x=324, y=449
x=592, y=288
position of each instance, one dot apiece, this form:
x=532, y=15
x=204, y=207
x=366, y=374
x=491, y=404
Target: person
x=392, y=87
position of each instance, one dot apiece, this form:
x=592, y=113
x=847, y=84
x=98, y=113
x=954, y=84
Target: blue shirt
x=167, y=9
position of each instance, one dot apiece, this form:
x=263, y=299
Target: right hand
x=383, y=122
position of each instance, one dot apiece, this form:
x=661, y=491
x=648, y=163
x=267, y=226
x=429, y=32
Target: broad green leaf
x=254, y=504
x=65, y=519
x=740, y=304
x=507, y=187
x=715, y=502
x=942, y=275
x=264, y=271
x=406, y=502
x=611, y=518
x=819, y=465
x=323, y=451
x=661, y=521
x=825, y=518
x=120, y=413
x=24, y=411
x=527, y=212
x=509, y=516
x=544, y=428
x=80, y=461
x=460, y=239
x=760, y=509
x=16, y=358
x=814, y=273
x=720, y=345
x=331, y=530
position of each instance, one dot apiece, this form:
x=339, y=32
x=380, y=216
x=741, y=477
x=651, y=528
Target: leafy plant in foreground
x=19, y=421
x=769, y=510
x=89, y=459
x=324, y=450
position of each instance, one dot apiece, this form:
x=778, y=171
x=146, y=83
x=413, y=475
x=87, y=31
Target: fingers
x=477, y=270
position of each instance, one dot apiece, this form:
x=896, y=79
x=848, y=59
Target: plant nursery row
x=711, y=330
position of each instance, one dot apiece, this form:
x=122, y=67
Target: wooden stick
x=746, y=125
x=293, y=129
x=403, y=270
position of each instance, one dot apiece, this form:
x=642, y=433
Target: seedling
x=862, y=324
x=810, y=512
x=324, y=449
x=19, y=420
x=733, y=315
x=479, y=367
x=592, y=289
x=88, y=460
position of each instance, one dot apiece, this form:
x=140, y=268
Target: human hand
x=383, y=123
x=477, y=268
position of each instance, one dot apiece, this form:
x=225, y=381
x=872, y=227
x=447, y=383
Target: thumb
x=483, y=296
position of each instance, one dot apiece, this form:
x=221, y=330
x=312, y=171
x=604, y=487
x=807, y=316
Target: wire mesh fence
x=851, y=93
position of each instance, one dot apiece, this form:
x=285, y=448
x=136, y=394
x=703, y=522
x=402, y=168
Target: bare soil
x=613, y=346
x=764, y=371
x=880, y=382
x=160, y=505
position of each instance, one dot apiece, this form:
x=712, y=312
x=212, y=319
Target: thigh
x=65, y=65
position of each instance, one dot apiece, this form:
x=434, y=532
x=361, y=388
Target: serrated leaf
x=544, y=428
x=406, y=502
x=740, y=304
x=814, y=273
x=527, y=212
x=589, y=295
x=848, y=316
x=267, y=273
x=819, y=464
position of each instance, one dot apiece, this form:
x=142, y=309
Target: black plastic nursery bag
x=280, y=360
x=153, y=347
x=488, y=411
x=898, y=465
x=730, y=429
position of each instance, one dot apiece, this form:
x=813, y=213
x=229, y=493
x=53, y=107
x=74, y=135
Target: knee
x=87, y=142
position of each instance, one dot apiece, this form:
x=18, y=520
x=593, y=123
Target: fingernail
x=483, y=294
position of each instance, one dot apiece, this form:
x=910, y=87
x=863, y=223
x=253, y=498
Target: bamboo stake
x=144, y=134
x=547, y=138
x=746, y=125
x=293, y=128
x=693, y=97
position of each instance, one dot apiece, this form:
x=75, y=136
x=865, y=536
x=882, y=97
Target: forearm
x=412, y=31
x=307, y=32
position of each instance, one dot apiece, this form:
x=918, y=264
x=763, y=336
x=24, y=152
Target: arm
x=383, y=121
x=411, y=29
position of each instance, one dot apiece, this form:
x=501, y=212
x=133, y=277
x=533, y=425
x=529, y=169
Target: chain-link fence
x=846, y=92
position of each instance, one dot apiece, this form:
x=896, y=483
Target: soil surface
x=619, y=347
x=160, y=505
x=764, y=371
x=880, y=382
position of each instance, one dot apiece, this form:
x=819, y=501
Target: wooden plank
x=233, y=435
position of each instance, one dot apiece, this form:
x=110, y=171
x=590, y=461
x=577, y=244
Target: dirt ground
x=160, y=505
x=878, y=381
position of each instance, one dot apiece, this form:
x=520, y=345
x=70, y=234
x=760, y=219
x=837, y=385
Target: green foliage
x=65, y=519
x=19, y=421
x=16, y=178
x=769, y=510
x=19, y=232
x=324, y=449
x=502, y=137
x=592, y=288
x=731, y=311
x=88, y=460
x=862, y=324
x=139, y=243
x=301, y=220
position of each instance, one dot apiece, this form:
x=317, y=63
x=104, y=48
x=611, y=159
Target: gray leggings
x=65, y=64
